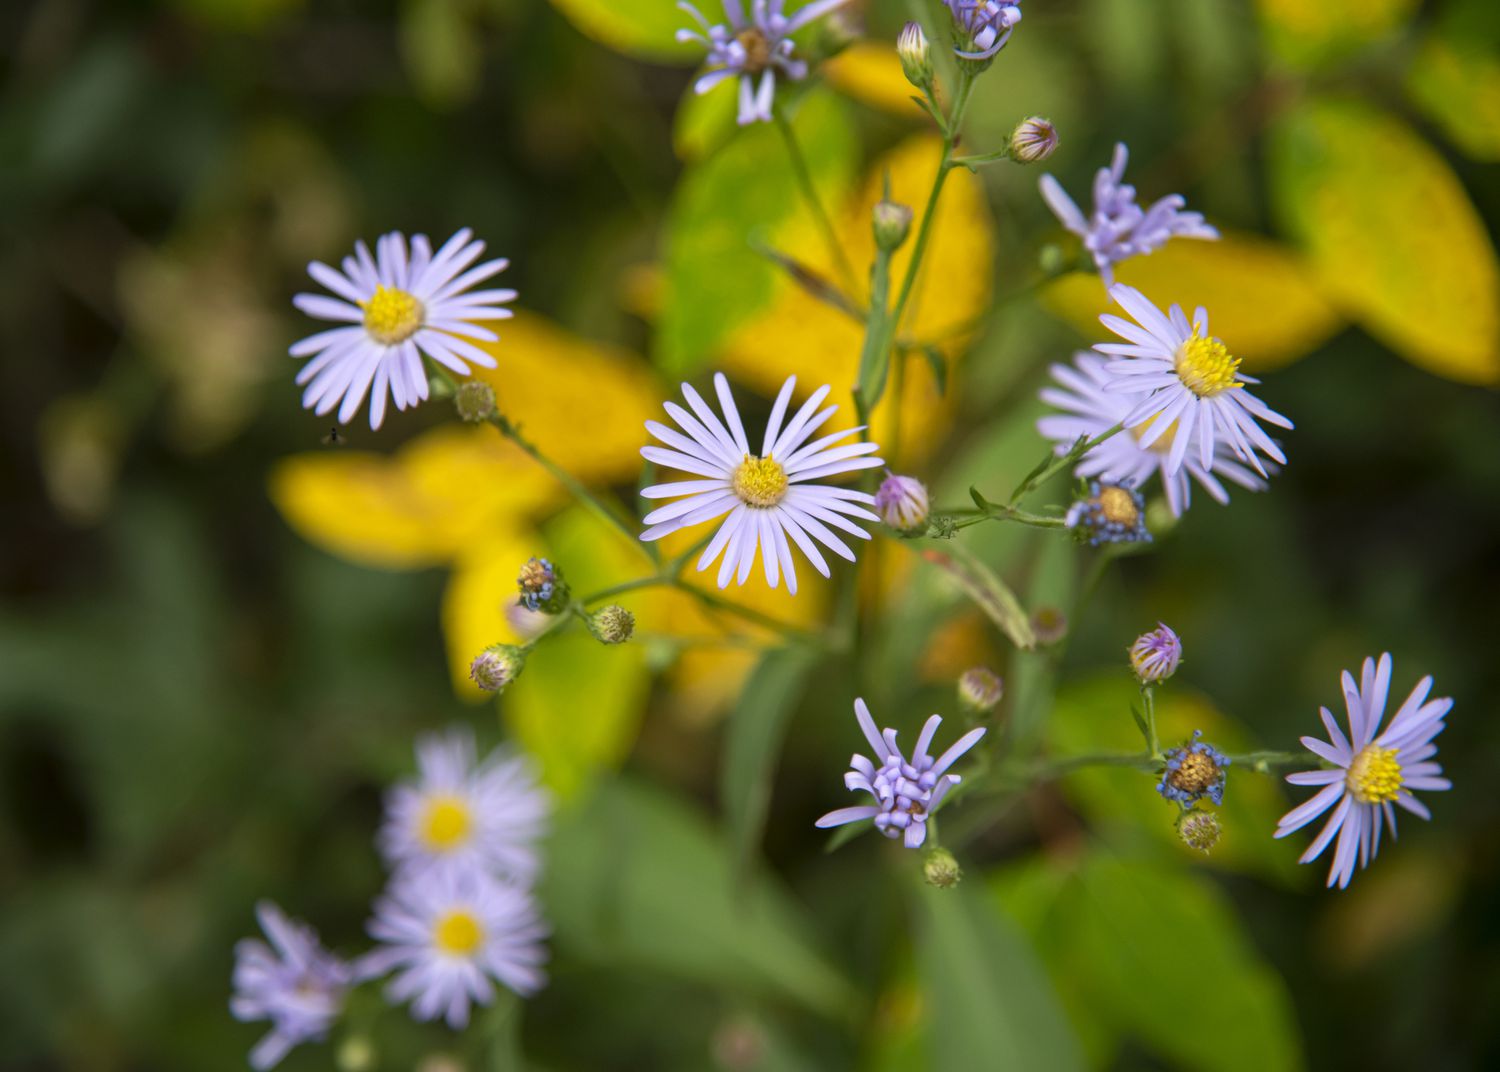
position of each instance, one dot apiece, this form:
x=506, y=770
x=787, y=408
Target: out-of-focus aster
x=1118, y=228
x=1185, y=384
x=753, y=48
x=905, y=792
x=446, y=932
x=984, y=26
x=1194, y=771
x=396, y=307
x=1370, y=770
x=1090, y=408
x=768, y=496
x=486, y=815
x=1110, y=513
x=1155, y=654
x=293, y=982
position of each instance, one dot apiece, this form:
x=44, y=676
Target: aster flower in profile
x=293, y=982
x=773, y=498
x=1185, y=383
x=906, y=791
x=1091, y=408
x=1110, y=513
x=397, y=307
x=447, y=932
x=984, y=26
x=1155, y=654
x=753, y=48
x=1118, y=228
x=1369, y=771
x=485, y=814
x=1194, y=771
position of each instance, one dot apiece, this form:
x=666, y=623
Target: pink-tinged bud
x=1033, y=139
x=901, y=502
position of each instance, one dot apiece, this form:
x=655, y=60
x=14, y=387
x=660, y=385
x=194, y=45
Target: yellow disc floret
x=760, y=481
x=457, y=932
x=446, y=823
x=391, y=315
x=1118, y=505
x=1206, y=367
x=1375, y=775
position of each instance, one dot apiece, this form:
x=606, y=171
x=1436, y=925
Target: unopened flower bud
x=475, y=401
x=940, y=869
x=355, y=1054
x=901, y=502
x=542, y=587
x=1049, y=624
x=892, y=224
x=980, y=689
x=916, y=55
x=1154, y=656
x=1199, y=829
x=612, y=625
x=497, y=666
x=1033, y=139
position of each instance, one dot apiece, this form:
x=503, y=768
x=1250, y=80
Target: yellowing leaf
x=1309, y=32
x=1262, y=298
x=642, y=28
x=1458, y=85
x=870, y=71
x=418, y=508
x=583, y=403
x=1392, y=234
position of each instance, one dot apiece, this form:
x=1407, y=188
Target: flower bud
x=612, y=625
x=980, y=689
x=497, y=666
x=892, y=223
x=475, y=401
x=355, y=1054
x=1033, y=139
x=940, y=869
x=1154, y=656
x=1049, y=624
x=901, y=502
x=1199, y=829
x=542, y=587
x=916, y=56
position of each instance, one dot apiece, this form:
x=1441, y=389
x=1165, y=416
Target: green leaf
x=442, y=49
x=635, y=879
x=1455, y=77
x=752, y=747
x=939, y=366
x=992, y=1005
x=705, y=121
x=745, y=192
x=645, y=29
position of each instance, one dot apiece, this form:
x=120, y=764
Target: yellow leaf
x=1309, y=32
x=1262, y=299
x=1459, y=87
x=645, y=29
x=870, y=71
x=417, y=508
x=583, y=403
x=1392, y=234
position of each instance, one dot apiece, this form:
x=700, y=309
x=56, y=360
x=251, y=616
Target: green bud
x=497, y=666
x=916, y=56
x=940, y=869
x=1199, y=829
x=355, y=1054
x=475, y=401
x=612, y=625
x=892, y=224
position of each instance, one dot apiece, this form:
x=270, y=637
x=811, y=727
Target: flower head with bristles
x=1110, y=513
x=1194, y=771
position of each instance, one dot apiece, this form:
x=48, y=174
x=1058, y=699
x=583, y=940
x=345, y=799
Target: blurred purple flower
x=985, y=24
x=293, y=982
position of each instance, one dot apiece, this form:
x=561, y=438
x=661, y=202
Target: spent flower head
x=906, y=791
x=1110, y=513
x=1194, y=771
x=396, y=308
x=542, y=586
x=1370, y=772
x=293, y=982
x=1118, y=228
x=1155, y=654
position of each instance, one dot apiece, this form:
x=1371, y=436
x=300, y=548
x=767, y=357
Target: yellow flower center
x=1162, y=443
x=1118, y=505
x=1206, y=366
x=392, y=315
x=458, y=933
x=760, y=481
x=446, y=823
x=1374, y=777
x=757, y=49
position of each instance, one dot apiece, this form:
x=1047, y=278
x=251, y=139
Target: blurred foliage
x=222, y=626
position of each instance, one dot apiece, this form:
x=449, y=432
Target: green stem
x=815, y=203
x=1148, y=701
x=1262, y=762
x=981, y=159
x=1011, y=513
x=874, y=359
x=1053, y=464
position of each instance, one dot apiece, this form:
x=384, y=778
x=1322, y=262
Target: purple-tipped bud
x=980, y=689
x=1154, y=656
x=497, y=666
x=1033, y=139
x=916, y=55
x=901, y=502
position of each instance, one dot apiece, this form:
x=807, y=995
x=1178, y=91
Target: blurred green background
x=205, y=686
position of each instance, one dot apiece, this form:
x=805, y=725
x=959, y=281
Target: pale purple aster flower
x=485, y=814
x=1155, y=654
x=905, y=792
x=1118, y=229
x=752, y=48
x=985, y=25
x=398, y=306
x=769, y=496
x=1091, y=408
x=1185, y=382
x=293, y=982
x=901, y=502
x=1370, y=770
x=447, y=932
